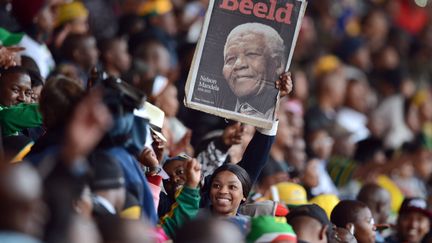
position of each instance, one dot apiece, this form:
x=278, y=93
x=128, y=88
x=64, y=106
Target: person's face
x=423, y=164
x=338, y=88
x=301, y=90
x=296, y=154
x=345, y=146
x=364, y=227
x=361, y=59
x=176, y=171
x=322, y=144
x=385, y=208
x=121, y=56
x=310, y=176
x=79, y=25
x=376, y=26
x=162, y=63
x=248, y=65
x=168, y=102
x=168, y=23
x=412, y=227
x=36, y=93
x=15, y=89
x=284, y=137
x=45, y=20
x=226, y=193
x=273, y=179
x=356, y=97
x=89, y=53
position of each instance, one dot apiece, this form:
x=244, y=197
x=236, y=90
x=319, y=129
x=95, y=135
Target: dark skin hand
x=7, y=55
x=233, y=134
x=284, y=84
x=193, y=173
x=158, y=146
x=89, y=123
x=148, y=158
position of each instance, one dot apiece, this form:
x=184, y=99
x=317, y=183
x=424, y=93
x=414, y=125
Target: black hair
x=13, y=70
x=415, y=145
x=366, y=149
x=346, y=212
x=241, y=174
x=106, y=45
x=127, y=23
x=33, y=70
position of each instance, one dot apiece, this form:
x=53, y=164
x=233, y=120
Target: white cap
x=421, y=3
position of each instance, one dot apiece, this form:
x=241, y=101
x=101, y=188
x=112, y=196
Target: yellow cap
x=326, y=64
x=326, y=202
x=395, y=193
x=71, y=11
x=291, y=193
x=420, y=97
x=155, y=7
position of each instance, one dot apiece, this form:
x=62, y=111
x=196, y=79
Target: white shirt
x=353, y=121
x=326, y=185
x=390, y=111
x=39, y=53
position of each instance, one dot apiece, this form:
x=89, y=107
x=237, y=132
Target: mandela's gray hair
x=272, y=38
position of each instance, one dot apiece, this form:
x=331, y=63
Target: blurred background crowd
x=87, y=157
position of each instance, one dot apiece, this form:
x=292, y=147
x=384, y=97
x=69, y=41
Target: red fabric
x=411, y=18
x=25, y=10
x=281, y=210
x=285, y=238
x=155, y=180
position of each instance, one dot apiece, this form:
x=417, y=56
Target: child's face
x=176, y=171
x=322, y=144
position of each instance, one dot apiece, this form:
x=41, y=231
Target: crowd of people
x=97, y=146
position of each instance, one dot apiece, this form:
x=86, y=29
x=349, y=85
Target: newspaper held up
x=244, y=46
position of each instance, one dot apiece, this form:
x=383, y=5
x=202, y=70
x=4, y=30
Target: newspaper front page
x=244, y=46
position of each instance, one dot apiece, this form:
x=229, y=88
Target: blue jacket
x=136, y=182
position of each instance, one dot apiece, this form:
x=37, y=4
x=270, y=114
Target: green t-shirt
x=13, y=119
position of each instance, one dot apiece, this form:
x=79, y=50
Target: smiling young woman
x=230, y=186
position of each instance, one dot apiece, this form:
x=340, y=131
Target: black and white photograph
x=244, y=47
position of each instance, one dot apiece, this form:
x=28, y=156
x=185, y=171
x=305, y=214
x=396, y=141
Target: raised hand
x=233, y=134
x=158, y=146
x=89, y=123
x=148, y=158
x=7, y=56
x=284, y=84
x=193, y=173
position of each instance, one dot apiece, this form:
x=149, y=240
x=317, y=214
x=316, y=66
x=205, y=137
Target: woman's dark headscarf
x=241, y=174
